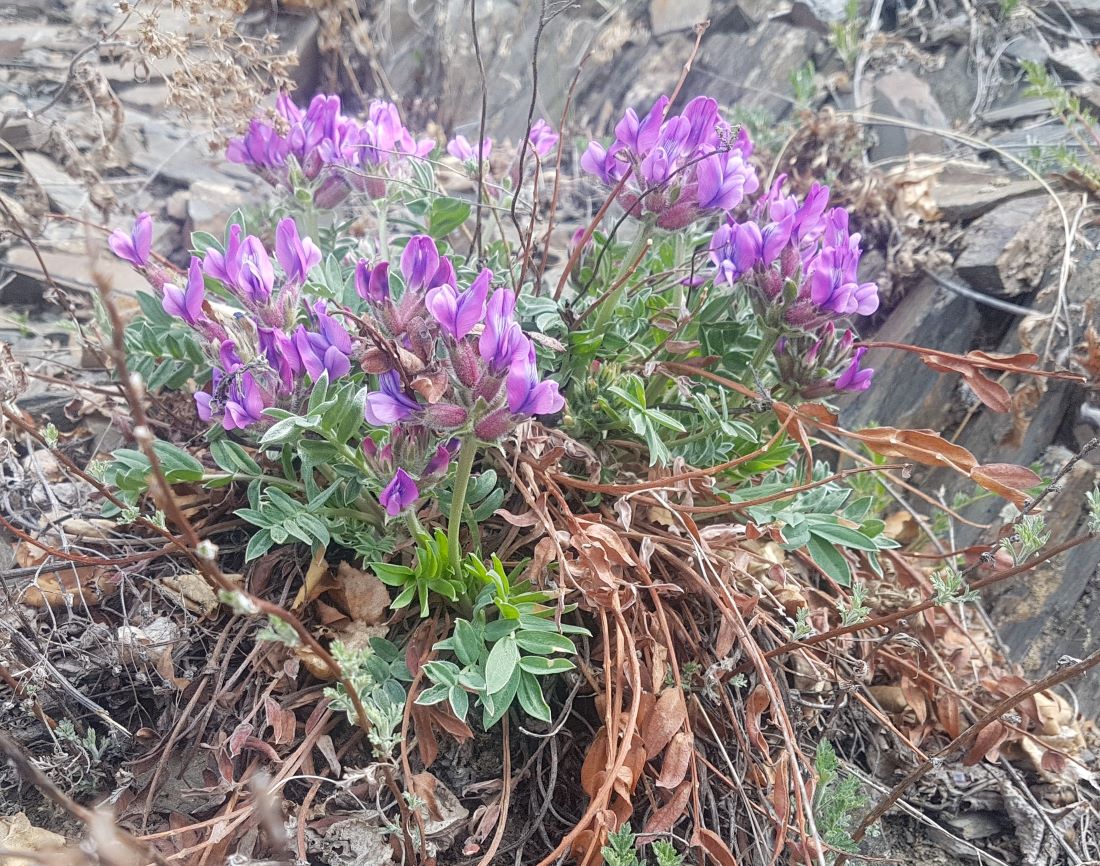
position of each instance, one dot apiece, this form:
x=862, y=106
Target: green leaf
x=467, y=644
x=460, y=701
x=203, y=241
x=502, y=663
x=446, y=215
x=541, y=667
x=258, y=545
x=177, y=464
x=843, y=536
x=497, y=705
x=433, y=695
x=233, y=458
x=829, y=560
x=391, y=575
x=531, y=699
x=545, y=642
x=442, y=672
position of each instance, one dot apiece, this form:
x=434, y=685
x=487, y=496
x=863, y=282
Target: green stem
x=239, y=476
x=383, y=231
x=466, y=457
x=607, y=307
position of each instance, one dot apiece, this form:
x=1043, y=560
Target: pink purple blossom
x=136, y=245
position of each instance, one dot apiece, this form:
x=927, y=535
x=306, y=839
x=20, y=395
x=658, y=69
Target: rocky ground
x=984, y=234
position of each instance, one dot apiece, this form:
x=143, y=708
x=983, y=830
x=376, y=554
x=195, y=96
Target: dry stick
x=481, y=130
x=505, y=796
x=967, y=737
x=29, y=771
x=627, y=274
x=527, y=140
x=557, y=175
x=203, y=553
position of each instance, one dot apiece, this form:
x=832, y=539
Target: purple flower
x=253, y=274
x=460, y=148
x=456, y=313
x=442, y=457
x=722, y=180
x=215, y=263
x=135, y=246
x=543, y=139
x=855, y=379
x=297, y=255
x=372, y=284
x=681, y=167
x=244, y=404
x=419, y=263
x=399, y=494
x=502, y=340
x=281, y=353
x=391, y=404
x=186, y=303
x=318, y=355
x=526, y=394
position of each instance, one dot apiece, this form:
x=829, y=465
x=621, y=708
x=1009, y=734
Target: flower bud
x=464, y=363
x=444, y=416
x=312, y=165
x=789, y=261
x=771, y=284
x=331, y=192
x=494, y=425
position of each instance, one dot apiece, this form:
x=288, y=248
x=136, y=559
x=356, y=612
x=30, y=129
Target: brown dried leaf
x=716, y=848
x=283, y=722
x=366, y=597
x=781, y=802
x=667, y=718
x=665, y=817
x=18, y=835
x=1007, y=480
x=677, y=760
x=926, y=447
x=986, y=743
x=757, y=702
x=595, y=764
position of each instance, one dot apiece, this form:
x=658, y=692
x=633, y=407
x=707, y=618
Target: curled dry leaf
x=715, y=847
x=73, y=585
x=366, y=597
x=986, y=743
x=665, y=817
x=666, y=719
x=757, y=702
x=677, y=760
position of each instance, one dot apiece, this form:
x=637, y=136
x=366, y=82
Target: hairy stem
x=466, y=457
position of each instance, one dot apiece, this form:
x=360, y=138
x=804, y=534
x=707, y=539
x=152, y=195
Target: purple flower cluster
x=339, y=154
x=800, y=262
x=468, y=368
x=267, y=342
x=677, y=168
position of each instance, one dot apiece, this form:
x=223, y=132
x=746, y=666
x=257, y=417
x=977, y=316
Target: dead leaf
x=1007, y=480
x=19, y=835
x=665, y=817
x=282, y=721
x=194, y=592
x=676, y=760
x=986, y=743
x=715, y=847
x=666, y=719
x=757, y=702
x=367, y=599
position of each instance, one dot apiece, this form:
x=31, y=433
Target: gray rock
x=1035, y=107
x=1026, y=48
x=965, y=192
x=668, y=16
x=172, y=152
x=902, y=94
x=818, y=15
x=1008, y=249
x=1078, y=61
x=1083, y=13
x=906, y=393
x=210, y=205
x=67, y=194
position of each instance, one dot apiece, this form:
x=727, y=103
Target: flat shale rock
x=906, y=393
x=668, y=16
x=1008, y=249
x=964, y=192
x=1077, y=61
x=904, y=95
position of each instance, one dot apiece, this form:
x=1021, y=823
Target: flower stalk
x=466, y=455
